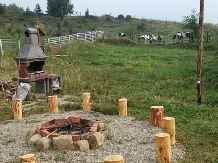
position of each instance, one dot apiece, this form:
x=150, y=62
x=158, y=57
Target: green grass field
x=146, y=76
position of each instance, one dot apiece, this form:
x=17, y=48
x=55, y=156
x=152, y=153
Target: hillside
x=13, y=23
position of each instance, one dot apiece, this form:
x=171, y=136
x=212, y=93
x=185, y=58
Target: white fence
x=9, y=45
x=86, y=37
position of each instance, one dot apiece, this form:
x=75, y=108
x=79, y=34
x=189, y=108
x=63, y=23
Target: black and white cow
x=156, y=39
x=121, y=34
x=182, y=36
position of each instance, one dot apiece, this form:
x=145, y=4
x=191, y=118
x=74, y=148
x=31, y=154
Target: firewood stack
x=7, y=89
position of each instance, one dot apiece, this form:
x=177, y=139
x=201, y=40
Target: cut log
x=86, y=101
x=17, y=108
x=169, y=127
x=53, y=103
x=163, y=148
x=157, y=114
x=114, y=159
x=122, y=106
x=28, y=158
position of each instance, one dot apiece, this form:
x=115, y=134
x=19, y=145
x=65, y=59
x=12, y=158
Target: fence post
x=1, y=50
x=85, y=37
x=59, y=42
x=69, y=38
x=18, y=43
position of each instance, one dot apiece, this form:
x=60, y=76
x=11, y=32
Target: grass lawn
x=146, y=76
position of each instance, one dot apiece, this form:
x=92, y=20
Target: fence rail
x=86, y=37
x=9, y=45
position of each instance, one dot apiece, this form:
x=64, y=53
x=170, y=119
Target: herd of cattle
x=159, y=39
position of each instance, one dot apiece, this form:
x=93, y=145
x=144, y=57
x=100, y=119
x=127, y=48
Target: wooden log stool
x=17, y=108
x=122, y=106
x=28, y=158
x=169, y=127
x=53, y=103
x=163, y=148
x=157, y=114
x=114, y=159
x=86, y=101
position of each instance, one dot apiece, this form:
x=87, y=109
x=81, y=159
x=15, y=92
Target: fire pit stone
x=79, y=128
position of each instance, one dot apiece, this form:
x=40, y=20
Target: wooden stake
x=157, y=114
x=17, y=108
x=28, y=158
x=122, y=106
x=53, y=103
x=200, y=52
x=169, y=127
x=114, y=159
x=86, y=101
x=163, y=148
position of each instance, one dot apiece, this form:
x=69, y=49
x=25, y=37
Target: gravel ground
x=134, y=140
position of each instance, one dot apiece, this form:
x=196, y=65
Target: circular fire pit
x=77, y=127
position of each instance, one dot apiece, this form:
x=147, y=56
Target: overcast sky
x=171, y=10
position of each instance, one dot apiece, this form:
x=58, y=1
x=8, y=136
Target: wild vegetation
x=119, y=67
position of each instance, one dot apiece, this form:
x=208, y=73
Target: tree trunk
x=28, y=158
x=17, y=108
x=114, y=159
x=157, y=114
x=122, y=106
x=169, y=127
x=86, y=101
x=163, y=148
x=53, y=103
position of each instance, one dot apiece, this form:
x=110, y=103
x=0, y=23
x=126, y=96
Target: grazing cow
x=143, y=37
x=156, y=39
x=181, y=36
x=121, y=34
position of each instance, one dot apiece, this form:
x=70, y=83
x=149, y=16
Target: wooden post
x=114, y=159
x=200, y=52
x=122, y=106
x=169, y=127
x=86, y=101
x=53, y=103
x=157, y=114
x=17, y=108
x=28, y=158
x=163, y=148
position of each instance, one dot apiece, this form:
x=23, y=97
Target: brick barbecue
x=31, y=58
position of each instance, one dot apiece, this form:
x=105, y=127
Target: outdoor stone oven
x=31, y=60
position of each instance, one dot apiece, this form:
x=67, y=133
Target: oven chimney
x=31, y=50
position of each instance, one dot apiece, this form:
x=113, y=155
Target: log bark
x=122, y=106
x=163, y=148
x=17, y=108
x=157, y=114
x=169, y=127
x=114, y=159
x=86, y=101
x=28, y=158
x=53, y=103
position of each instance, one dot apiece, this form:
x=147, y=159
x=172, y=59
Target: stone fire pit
x=67, y=133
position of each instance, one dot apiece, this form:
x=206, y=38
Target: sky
x=170, y=10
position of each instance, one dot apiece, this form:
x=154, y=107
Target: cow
x=156, y=39
x=181, y=36
x=121, y=34
x=143, y=37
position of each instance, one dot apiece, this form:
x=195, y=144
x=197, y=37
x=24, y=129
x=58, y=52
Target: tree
x=59, y=8
x=28, y=9
x=191, y=23
x=87, y=13
x=38, y=9
x=2, y=9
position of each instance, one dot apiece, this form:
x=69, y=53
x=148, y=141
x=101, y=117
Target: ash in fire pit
x=77, y=127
